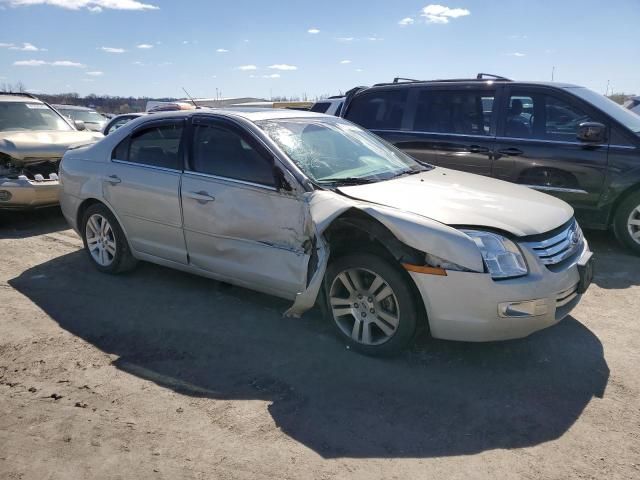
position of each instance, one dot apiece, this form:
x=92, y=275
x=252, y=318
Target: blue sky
x=262, y=48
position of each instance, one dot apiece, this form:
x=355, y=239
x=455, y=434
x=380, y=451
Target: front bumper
x=23, y=193
x=471, y=306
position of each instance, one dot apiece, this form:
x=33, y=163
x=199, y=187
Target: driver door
x=537, y=145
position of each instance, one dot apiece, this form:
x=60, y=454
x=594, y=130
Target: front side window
x=331, y=150
x=379, y=110
x=226, y=152
x=156, y=146
x=17, y=116
x=543, y=117
x=454, y=112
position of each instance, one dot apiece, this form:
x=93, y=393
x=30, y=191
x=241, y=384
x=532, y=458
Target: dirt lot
x=160, y=374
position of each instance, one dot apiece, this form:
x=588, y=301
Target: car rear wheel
x=371, y=304
x=105, y=242
x=627, y=222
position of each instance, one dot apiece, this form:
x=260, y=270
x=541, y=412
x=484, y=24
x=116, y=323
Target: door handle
x=478, y=149
x=112, y=179
x=510, y=152
x=201, y=197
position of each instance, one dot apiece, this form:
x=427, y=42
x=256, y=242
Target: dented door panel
x=246, y=233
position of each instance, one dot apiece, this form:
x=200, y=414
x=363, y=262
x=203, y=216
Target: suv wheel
x=370, y=303
x=627, y=222
x=104, y=241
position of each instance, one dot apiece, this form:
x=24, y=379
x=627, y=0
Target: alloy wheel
x=101, y=240
x=633, y=224
x=364, y=306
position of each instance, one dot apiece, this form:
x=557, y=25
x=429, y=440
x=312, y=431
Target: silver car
x=312, y=208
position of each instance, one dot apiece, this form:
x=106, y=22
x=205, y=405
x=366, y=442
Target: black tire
x=122, y=260
x=406, y=308
x=621, y=222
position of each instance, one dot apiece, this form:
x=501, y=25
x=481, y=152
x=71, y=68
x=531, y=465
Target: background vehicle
x=307, y=206
x=33, y=138
x=84, y=116
x=561, y=139
x=633, y=104
x=119, y=120
x=329, y=106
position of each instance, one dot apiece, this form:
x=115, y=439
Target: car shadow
x=615, y=266
x=23, y=224
x=202, y=338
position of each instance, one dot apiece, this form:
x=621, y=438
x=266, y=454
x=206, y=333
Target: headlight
x=501, y=256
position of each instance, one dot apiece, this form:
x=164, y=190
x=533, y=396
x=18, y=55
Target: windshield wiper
x=347, y=180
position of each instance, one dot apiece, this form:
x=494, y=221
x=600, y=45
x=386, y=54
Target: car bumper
x=475, y=308
x=23, y=193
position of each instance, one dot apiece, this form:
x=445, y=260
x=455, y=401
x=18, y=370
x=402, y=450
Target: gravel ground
x=163, y=375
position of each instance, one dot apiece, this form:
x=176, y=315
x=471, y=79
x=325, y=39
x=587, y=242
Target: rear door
x=537, y=145
x=142, y=184
x=237, y=224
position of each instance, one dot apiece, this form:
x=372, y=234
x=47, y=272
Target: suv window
x=320, y=107
x=458, y=112
x=226, y=152
x=379, y=110
x=543, y=117
x=156, y=146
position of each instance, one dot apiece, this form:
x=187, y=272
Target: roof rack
x=479, y=77
x=23, y=94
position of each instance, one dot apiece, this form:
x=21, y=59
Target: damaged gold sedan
x=314, y=209
x=33, y=138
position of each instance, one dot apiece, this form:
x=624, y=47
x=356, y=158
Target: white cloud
x=359, y=70
x=144, y=46
x=26, y=47
x=246, y=68
x=222, y=50
x=313, y=31
x=40, y=63
x=273, y=75
x=282, y=66
x=345, y=62
x=440, y=14
x=30, y=63
x=94, y=74
x=94, y=6
x=406, y=21
x=165, y=64
x=517, y=54
x=112, y=50
x=138, y=62
x=6, y=45
x=345, y=39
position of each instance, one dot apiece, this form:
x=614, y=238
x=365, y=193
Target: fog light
x=529, y=308
x=5, y=195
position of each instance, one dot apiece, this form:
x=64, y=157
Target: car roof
x=251, y=114
x=72, y=107
x=470, y=81
x=18, y=97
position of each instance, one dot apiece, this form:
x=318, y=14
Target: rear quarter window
x=379, y=110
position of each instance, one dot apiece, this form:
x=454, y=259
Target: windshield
x=618, y=112
x=30, y=116
x=87, y=116
x=335, y=151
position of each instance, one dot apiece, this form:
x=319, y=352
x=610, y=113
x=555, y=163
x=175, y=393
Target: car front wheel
x=371, y=304
x=627, y=222
x=105, y=241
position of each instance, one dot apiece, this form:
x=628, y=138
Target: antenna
x=190, y=98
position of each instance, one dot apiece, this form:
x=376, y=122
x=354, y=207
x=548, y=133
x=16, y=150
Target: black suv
x=561, y=139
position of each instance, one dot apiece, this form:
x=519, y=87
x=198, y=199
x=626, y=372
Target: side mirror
x=592, y=132
x=79, y=124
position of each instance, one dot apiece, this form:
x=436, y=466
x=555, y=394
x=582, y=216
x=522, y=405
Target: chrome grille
x=559, y=247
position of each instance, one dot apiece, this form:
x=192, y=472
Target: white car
x=311, y=208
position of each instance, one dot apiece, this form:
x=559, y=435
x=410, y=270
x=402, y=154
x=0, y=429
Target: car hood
x=34, y=146
x=458, y=198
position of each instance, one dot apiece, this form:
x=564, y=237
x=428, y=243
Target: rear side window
x=379, y=110
x=156, y=146
x=454, y=112
x=320, y=107
x=227, y=152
